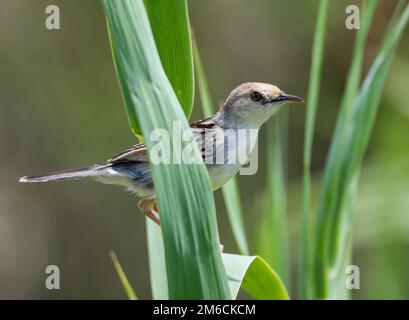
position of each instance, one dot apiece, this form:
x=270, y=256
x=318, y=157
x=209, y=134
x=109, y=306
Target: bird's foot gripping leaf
x=149, y=208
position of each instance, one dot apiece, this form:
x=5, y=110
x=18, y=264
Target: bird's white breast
x=234, y=150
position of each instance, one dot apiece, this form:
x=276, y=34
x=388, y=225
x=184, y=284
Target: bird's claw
x=150, y=209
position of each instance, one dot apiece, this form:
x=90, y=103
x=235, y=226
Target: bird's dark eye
x=256, y=96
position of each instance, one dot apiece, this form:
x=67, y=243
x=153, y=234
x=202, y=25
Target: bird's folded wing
x=137, y=152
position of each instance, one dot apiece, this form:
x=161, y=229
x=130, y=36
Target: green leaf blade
x=169, y=20
x=188, y=221
x=157, y=263
x=364, y=113
x=348, y=146
x=273, y=237
x=332, y=169
x=255, y=276
x=306, y=271
x=122, y=277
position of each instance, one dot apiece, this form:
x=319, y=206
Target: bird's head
x=252, y=103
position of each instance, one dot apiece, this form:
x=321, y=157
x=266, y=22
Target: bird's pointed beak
x=290, y=98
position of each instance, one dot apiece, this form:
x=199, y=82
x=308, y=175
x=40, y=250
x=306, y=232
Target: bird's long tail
x=92, y=171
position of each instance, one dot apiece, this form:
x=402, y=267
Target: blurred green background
x=60, y=107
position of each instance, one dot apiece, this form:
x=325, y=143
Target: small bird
x=247, y=107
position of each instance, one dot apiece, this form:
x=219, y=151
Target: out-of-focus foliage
x=306, y=281
x=354, y=126
x=122, y=277
x=272, y=240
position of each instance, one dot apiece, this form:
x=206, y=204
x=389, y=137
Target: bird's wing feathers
x=139, y=152
x=204, y=134
x=207, y=123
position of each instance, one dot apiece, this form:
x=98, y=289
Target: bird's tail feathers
x=92, y=171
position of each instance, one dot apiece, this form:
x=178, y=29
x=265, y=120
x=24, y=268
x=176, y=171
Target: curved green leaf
x=255, y=276
x=169, y=20
x=185, y=199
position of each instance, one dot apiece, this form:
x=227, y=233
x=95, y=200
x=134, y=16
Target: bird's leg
x=148, y=206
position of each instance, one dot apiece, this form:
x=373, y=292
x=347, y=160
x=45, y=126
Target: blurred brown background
x=60, y=107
